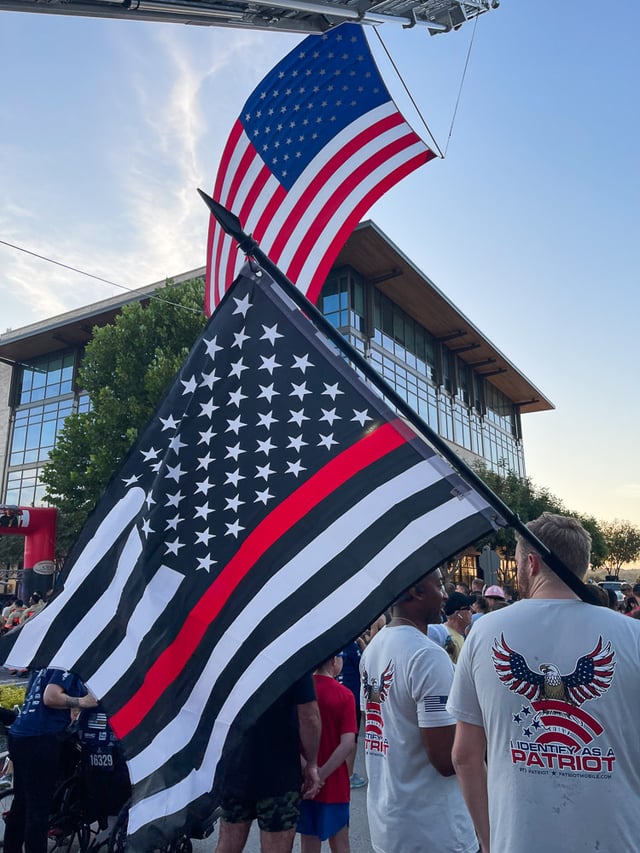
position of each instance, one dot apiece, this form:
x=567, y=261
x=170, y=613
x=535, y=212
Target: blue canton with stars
x=257, y=409
x=311, y=96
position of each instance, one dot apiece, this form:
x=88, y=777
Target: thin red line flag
x=316, y=145
x=271, y=508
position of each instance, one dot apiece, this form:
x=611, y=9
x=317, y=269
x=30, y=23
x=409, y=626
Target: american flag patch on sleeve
x=433, y=704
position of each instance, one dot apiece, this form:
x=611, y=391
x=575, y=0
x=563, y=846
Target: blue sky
x=528, y=224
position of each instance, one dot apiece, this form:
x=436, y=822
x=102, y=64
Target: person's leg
x=41, y=776
x=236, y=819
x=15, y=819
x=278, y=819
x=339, y=843
x=232, y=837
x=277, y=842
x=310, y=844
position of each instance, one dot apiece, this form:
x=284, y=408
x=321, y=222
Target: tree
x=11, y=551
x=599, y=548
x=522, y=497
x=126, y=369
x=623, y=543
x=529, y=501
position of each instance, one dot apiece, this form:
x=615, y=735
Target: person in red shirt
x=326, y=816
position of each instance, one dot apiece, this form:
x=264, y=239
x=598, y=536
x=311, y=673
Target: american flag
x=316, y=145
x=272, y=508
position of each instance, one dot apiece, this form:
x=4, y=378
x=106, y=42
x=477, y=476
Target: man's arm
x=469, y=750
x=55, y=696
x=309, y=725
x=339, y=755
x=437, y=743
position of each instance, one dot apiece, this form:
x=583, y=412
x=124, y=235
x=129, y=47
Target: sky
x=527, y=225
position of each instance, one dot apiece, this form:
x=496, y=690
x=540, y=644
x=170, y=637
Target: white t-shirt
x=411, y=807
x=556, y=686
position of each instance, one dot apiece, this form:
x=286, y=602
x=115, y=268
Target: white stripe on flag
x=292, y=576
x=155, y=599
x=32, y=638
x=338, y=604
x=322, y=159
x=103, y=610
x=324, y=240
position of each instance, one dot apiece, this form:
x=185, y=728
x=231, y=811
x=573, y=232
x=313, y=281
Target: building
x=452, y=375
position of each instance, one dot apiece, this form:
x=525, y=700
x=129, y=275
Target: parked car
x=615, y=586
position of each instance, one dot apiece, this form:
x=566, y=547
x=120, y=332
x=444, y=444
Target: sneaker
x=357, y=781
x=6, y=782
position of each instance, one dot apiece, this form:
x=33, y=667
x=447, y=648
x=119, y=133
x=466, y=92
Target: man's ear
x=535, y=563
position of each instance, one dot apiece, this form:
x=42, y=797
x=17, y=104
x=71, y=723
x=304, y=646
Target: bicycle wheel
x=6, y=798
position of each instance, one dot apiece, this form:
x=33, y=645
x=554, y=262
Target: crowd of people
x=16, y=612
x=489, y=723
x=485, y=719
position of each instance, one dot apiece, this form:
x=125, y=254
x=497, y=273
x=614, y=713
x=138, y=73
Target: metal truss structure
x=303, y=16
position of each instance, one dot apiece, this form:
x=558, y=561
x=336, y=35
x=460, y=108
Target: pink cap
x=494, y=592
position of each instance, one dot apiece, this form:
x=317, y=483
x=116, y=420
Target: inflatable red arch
x=38, y=527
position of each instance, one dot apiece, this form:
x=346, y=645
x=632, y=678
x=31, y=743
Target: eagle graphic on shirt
x=375, y=692
x=590, y=679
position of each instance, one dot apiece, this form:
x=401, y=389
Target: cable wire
x=464, y=74
x=96, y=277
x=406, y=88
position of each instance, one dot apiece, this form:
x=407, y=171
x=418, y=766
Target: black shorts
x=274, y=814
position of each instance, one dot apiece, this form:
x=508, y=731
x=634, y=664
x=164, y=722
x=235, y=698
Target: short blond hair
x=563, y=535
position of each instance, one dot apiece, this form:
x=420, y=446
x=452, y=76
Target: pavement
x=7, y=678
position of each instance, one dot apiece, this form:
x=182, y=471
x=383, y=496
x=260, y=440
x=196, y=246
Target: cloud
x=183, y=121
x=129, y=212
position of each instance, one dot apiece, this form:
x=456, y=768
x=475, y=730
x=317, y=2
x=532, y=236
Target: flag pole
x=230, y=223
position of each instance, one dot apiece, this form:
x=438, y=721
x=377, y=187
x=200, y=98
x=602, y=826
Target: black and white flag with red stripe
x=271, y=509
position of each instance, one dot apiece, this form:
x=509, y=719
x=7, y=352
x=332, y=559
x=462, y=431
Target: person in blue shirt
x=35, y=741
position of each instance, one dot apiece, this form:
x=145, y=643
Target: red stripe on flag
x=212, y=273
x=227, y=271
x=324, y=265
x=310, y=195
x=338, y=471
x=341, y=193
x=227, y=155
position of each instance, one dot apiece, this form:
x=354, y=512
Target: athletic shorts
x=274, y=814
x=323, y=820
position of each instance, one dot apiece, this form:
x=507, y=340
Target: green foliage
x=11, y=550
x=529, y=501
x=623, y=543
x=599, y=547
x=523, y=497
x=126, y=370
x=11, y=695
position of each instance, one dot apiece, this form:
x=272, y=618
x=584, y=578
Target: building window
x=47, y=377
x=342, y=299
x=35, y=430
x=453, y=400
x=44, y=399
x=24, y=487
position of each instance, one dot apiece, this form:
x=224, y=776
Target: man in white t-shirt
x=548, y=688
x=414, y=803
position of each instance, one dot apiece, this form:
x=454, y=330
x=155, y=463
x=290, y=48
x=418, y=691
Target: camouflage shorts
x=274, y=814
